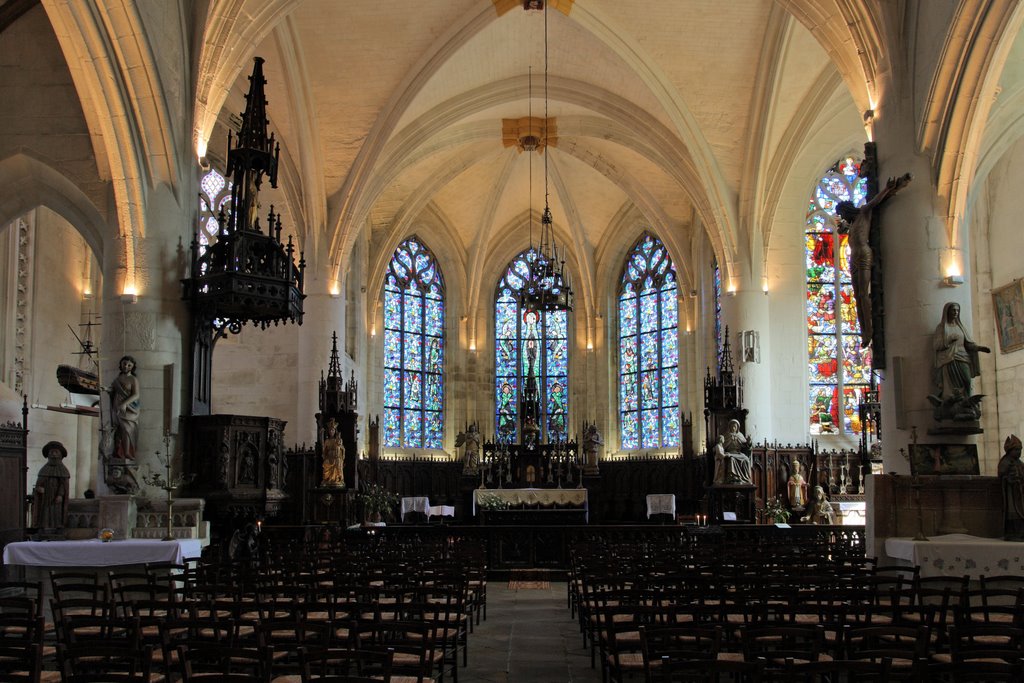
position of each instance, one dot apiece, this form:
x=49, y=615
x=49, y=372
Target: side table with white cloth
x=661, y=504
x=441, y=511
x=96, y=553
x=415, y=504
x=958, y=554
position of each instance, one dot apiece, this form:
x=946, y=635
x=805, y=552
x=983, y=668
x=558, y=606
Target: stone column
x=747, y=315
x=323, y=315
x=915, y=252
x=152, y=324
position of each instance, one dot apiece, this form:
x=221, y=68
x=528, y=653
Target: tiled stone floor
x=529, y=637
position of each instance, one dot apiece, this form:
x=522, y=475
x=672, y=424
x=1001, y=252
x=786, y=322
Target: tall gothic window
x=649, y=348
x=215, y=196
x=413, y=349
x=515, y=330
x=839, y=369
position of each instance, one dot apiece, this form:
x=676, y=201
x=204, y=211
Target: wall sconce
x=869, y=120
x=87, y=294
x=472, y=346
x=953, y=274
x=590, y=345
x=129, y=295
x=334, y=290
x=764, y=285
x=751, y=344
x=373, y=331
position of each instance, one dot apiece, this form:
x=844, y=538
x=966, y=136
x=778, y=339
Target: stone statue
x=124, y=404
x=592, y=443
x=1011, y=477
x=857, y=222
x=50, y=495
x=470, y=439
x=334, y=456
x=796, y=487
x=821, y=511
x=956, y=364
x=732, y=456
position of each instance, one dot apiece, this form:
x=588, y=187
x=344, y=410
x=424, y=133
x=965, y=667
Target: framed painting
x=1008, y=304
x=940, y=458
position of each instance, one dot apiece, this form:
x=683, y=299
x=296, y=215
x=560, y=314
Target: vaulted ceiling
x=391, y=113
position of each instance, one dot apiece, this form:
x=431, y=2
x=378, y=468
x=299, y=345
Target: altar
x=96, y=553
x=958, y=554
x=531, y=506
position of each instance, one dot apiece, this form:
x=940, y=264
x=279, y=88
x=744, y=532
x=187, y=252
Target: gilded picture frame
x=1008, y=305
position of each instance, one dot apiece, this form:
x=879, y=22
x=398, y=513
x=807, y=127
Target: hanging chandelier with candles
x=548, y=287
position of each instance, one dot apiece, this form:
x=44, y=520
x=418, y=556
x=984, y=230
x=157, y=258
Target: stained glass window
x=215, y=196
x=514, y=329
x=649, y=348
x=413, y=349
x=839, y=369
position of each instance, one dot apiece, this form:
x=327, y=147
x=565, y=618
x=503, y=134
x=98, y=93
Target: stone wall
x=948, y=504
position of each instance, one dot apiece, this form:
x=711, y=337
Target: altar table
x=96, y=553
x=524, y=497
x=661, y=504
x=959, y=554
x=414, y=504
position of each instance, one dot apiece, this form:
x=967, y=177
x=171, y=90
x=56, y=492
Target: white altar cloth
x=661, y=504
x=95, y=553
x=414, y=504
x=521, y=497
x=959, y=554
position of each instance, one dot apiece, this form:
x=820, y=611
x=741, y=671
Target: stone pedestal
x=118, y=513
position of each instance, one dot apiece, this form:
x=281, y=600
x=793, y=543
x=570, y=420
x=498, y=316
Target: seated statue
x=820, y=511
x=732, y=456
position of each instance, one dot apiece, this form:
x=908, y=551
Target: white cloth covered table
x=661, y=504
x=95, y=553
x=441, y=511
x=959, y=554
x=415, y=504
x=519, y=497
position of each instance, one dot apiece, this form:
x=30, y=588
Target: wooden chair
x=905, y=646
x=346, y=665
x=224, y=663
x=21, y=662
x=708, y=670
x=686, y=641
x=834, y=670
x=95, y=662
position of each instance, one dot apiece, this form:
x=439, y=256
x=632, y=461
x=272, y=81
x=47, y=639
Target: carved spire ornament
x=248, y=275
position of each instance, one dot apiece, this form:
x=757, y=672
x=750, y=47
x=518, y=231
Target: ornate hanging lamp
x=548, y=288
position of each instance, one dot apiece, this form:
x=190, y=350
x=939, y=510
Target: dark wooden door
x=12, y=484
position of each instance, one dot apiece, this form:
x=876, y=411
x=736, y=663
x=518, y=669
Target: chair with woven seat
x=346, y=665
x=833, y=670
x=906, y=646
x=684, y=641
x=708, y=671
x=225, y=664
x=96, y=662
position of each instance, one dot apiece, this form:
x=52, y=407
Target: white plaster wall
x=56, y=302
x=255, y=373
x=997, y=244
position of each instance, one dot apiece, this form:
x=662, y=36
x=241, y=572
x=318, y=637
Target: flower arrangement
x=377, y=500
x=775, y=511
x=491, y=501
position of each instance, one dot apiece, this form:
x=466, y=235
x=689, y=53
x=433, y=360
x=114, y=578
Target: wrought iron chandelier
x=548, y=287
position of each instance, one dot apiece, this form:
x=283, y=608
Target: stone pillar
x=747, y=315
x=151, y=325
x=915, y=252
x=323, y=315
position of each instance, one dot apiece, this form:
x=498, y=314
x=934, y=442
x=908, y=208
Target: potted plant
x=775, y=512
x=378, y=503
